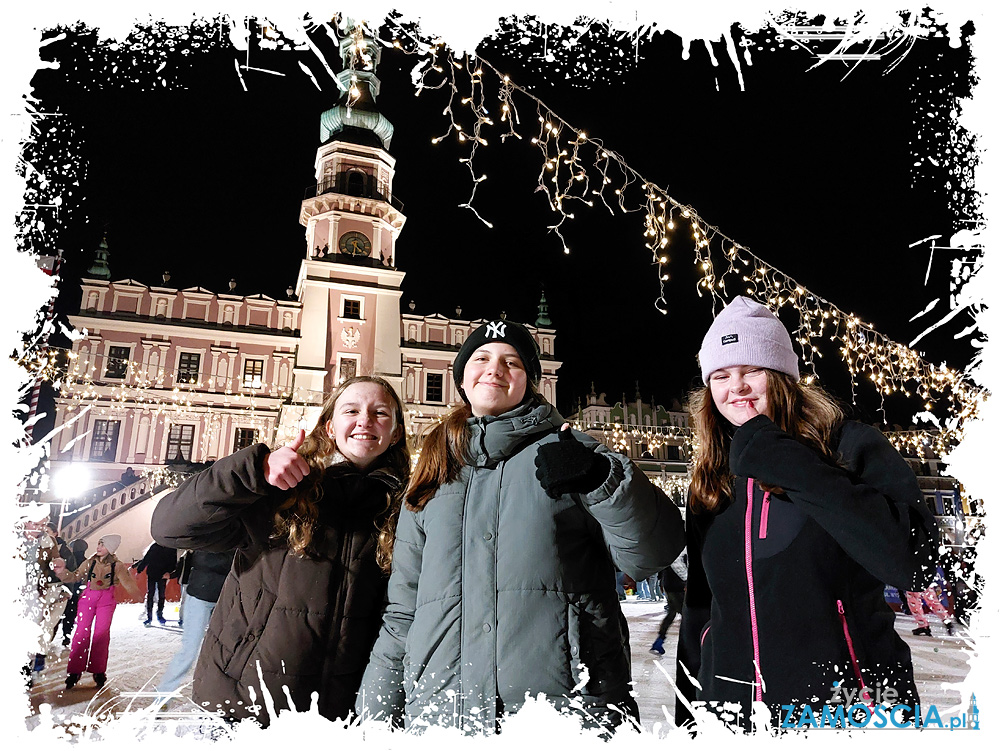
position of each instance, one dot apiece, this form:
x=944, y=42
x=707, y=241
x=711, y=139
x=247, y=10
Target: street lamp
x=70, y=482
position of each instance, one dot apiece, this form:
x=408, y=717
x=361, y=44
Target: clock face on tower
x=355, y=244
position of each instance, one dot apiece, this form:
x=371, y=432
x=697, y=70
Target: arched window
x=356, y=183
x=161, y=308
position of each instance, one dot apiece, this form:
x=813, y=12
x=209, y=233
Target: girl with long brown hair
x=796, y=521
x=503, y=577
x=314, y=525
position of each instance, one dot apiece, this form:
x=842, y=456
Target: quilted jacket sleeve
x=381, y=695
x=872, y=505
x=642, y=527
x=208, y=510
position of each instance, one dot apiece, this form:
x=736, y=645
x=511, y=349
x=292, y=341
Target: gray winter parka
x=498, y=591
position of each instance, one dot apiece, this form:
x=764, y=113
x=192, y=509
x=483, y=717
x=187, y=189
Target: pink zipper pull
x=763, y=516
x=865, y=693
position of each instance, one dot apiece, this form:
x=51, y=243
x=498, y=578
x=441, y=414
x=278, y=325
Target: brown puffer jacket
x=307, y=624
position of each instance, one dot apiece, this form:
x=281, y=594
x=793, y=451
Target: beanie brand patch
x=496, y=330
x=730, y=338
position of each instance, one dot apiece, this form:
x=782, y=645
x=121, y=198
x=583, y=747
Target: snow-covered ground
x=140, y=654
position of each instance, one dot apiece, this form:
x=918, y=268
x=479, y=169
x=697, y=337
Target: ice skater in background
x=96, y=608
x=915, y=602
x=78, y=548
x=207, y=573
x=672, y=582
x=159, y=563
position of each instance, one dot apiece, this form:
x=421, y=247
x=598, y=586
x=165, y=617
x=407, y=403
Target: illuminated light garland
x=576, y=168
x=617, y=436
x=924, y=444
x=164, y=406
x=79, y=384
x=673, y=485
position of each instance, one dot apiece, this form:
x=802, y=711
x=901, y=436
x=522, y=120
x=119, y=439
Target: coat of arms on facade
x=350, y=337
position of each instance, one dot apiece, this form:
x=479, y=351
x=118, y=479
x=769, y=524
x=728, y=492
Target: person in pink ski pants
x=92, y=634
x=916, y=600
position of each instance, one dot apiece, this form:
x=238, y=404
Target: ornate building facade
x=162, y=376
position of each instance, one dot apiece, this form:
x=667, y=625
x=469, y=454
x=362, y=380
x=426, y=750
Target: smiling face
x=101, y=550
x=494, y=380
x=363, y=426
x=740, y=392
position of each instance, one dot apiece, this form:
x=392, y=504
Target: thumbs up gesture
x=284, y=468
x=567, y=466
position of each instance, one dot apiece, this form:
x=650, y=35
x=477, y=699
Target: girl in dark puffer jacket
x=313, y=524
x=796, y=520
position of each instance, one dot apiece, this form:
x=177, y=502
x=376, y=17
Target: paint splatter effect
x=162, y=57
x=157, y=56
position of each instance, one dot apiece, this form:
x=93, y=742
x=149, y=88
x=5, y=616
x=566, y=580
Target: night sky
x=817, y=170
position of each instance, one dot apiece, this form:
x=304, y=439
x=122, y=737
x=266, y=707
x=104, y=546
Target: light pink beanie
x=747, y=333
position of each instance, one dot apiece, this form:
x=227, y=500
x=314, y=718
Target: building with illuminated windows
x=164, y=377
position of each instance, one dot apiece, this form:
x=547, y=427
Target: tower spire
x=543, y=312
x=355, y=117
x=99, y=269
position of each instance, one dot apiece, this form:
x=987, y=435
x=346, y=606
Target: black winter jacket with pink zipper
x=809, y=609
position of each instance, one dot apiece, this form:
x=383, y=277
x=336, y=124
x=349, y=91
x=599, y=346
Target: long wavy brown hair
x=444, y=453
x=296, y=519
x=804, y=411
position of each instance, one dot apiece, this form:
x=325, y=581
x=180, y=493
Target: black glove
x=567, y=466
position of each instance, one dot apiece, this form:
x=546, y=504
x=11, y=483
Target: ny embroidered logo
x=496, y=330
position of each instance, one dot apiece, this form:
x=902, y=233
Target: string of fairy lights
x=578, y=170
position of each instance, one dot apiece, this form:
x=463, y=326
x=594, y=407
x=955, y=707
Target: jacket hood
x=494, y=439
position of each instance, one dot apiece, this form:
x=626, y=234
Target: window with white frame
x=348, y=368
x=117, y=364
x=244, y=437
x=352, y=308
x=435, y=387
x=188, y=367
x=104, y=443
x=253, y=374
x=180, y=442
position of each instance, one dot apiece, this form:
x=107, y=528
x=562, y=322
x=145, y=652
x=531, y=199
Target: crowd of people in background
x=330, y=571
